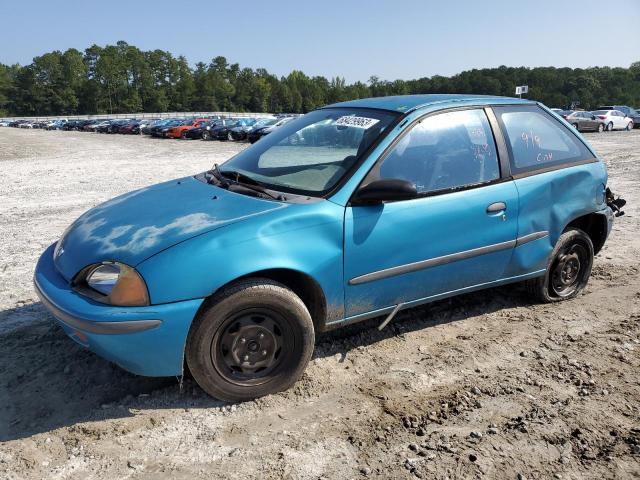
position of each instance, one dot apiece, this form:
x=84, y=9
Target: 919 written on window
x=537, y=141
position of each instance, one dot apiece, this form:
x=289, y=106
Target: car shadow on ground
x=47, y=381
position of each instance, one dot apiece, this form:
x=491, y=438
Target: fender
x=196, y=268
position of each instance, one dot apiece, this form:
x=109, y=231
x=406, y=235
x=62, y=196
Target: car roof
x=408, y=103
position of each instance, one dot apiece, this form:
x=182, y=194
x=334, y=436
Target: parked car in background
x=93, y=127
x=146, y=130
x=240, y=132
x=146, y=122
x=221, y=129
x=104, y=127
x=223, y=132
x=562, y=112
x=156, y=129
x=132, y=127
x=4, y=123
x=585, y=122
x=201, y=132
x=614, y=119
x=57, y=124
x=254, y=135
x=630, y=112
x=163, y=130
x=179, y=131
x=302, y=233
x=116, y=125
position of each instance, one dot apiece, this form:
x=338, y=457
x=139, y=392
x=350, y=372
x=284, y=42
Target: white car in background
x=614, y=120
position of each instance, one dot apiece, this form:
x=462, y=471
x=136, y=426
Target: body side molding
x=443, y=260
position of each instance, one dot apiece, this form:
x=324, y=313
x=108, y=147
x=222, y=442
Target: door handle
x=496, y=207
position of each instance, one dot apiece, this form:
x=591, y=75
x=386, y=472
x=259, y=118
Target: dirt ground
x=485, y=385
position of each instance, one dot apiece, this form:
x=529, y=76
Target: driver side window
x=445, y=151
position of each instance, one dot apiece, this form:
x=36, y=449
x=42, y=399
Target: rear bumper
x=143, y=340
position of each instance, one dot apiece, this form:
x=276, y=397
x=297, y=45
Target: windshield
x=311, y=154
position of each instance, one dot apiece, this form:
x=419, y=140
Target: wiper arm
x=237, y=176
x=215, y=172
x=224, y=177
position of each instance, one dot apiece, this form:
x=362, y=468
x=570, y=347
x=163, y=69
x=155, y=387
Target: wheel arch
x=302, y=284
x=593, y=224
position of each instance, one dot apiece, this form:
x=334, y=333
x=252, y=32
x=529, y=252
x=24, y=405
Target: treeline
x=122, y=78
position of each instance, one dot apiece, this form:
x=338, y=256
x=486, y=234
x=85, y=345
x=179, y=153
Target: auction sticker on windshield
x=358, y=122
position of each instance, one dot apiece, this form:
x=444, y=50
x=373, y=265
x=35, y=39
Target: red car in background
x=179, y=131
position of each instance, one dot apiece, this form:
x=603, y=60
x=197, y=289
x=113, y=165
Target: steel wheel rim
x=250, y=345
x=567, y=270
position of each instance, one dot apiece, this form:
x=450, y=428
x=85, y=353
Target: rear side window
x=538, y=141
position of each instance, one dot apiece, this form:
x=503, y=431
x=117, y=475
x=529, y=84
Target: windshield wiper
x=241, y=179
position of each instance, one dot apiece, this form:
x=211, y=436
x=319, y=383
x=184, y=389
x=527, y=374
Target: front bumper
x=143, y=340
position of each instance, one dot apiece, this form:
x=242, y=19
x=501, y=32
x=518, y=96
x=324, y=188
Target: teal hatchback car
x=353, y=211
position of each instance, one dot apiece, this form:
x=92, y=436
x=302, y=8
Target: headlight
x=116, y=284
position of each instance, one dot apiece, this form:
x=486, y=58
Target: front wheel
x=629, y=126
x=252, y=339
x=600, y=128
x=206, y=135
x=575, y=125
x=568, y=270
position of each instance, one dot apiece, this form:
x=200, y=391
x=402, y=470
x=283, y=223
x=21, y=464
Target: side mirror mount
x=378, y=191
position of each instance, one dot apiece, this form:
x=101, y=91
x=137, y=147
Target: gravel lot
x=484, y=385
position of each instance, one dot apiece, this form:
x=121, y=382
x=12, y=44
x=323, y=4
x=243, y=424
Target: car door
x=618, y=119
x=556, y=177
x=459, y=232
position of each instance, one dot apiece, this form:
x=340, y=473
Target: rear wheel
x=609, y=126
x=600, y=128
x=206, y=135
x=183, y=135
x=575, y=125
x=568, y=269
x=254, y=338
x=629, y=126
x=229, y=136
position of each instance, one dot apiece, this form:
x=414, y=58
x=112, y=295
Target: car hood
x=139, y=224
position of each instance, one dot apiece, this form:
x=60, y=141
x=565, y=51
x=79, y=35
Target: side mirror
x=593, y=117
x=379, y=191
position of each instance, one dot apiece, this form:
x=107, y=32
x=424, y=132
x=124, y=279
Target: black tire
x=568, y=269
x=229, y=136
x=575, y=125
x=183, y=135
x=629, y=126
x=206, y=135
x=600, y=128
x=609, y=126
x=240, y=325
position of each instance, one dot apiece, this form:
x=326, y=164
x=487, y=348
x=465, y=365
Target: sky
x=355, y=39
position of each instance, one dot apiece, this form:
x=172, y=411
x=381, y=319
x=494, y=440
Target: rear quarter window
x=538, y=141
